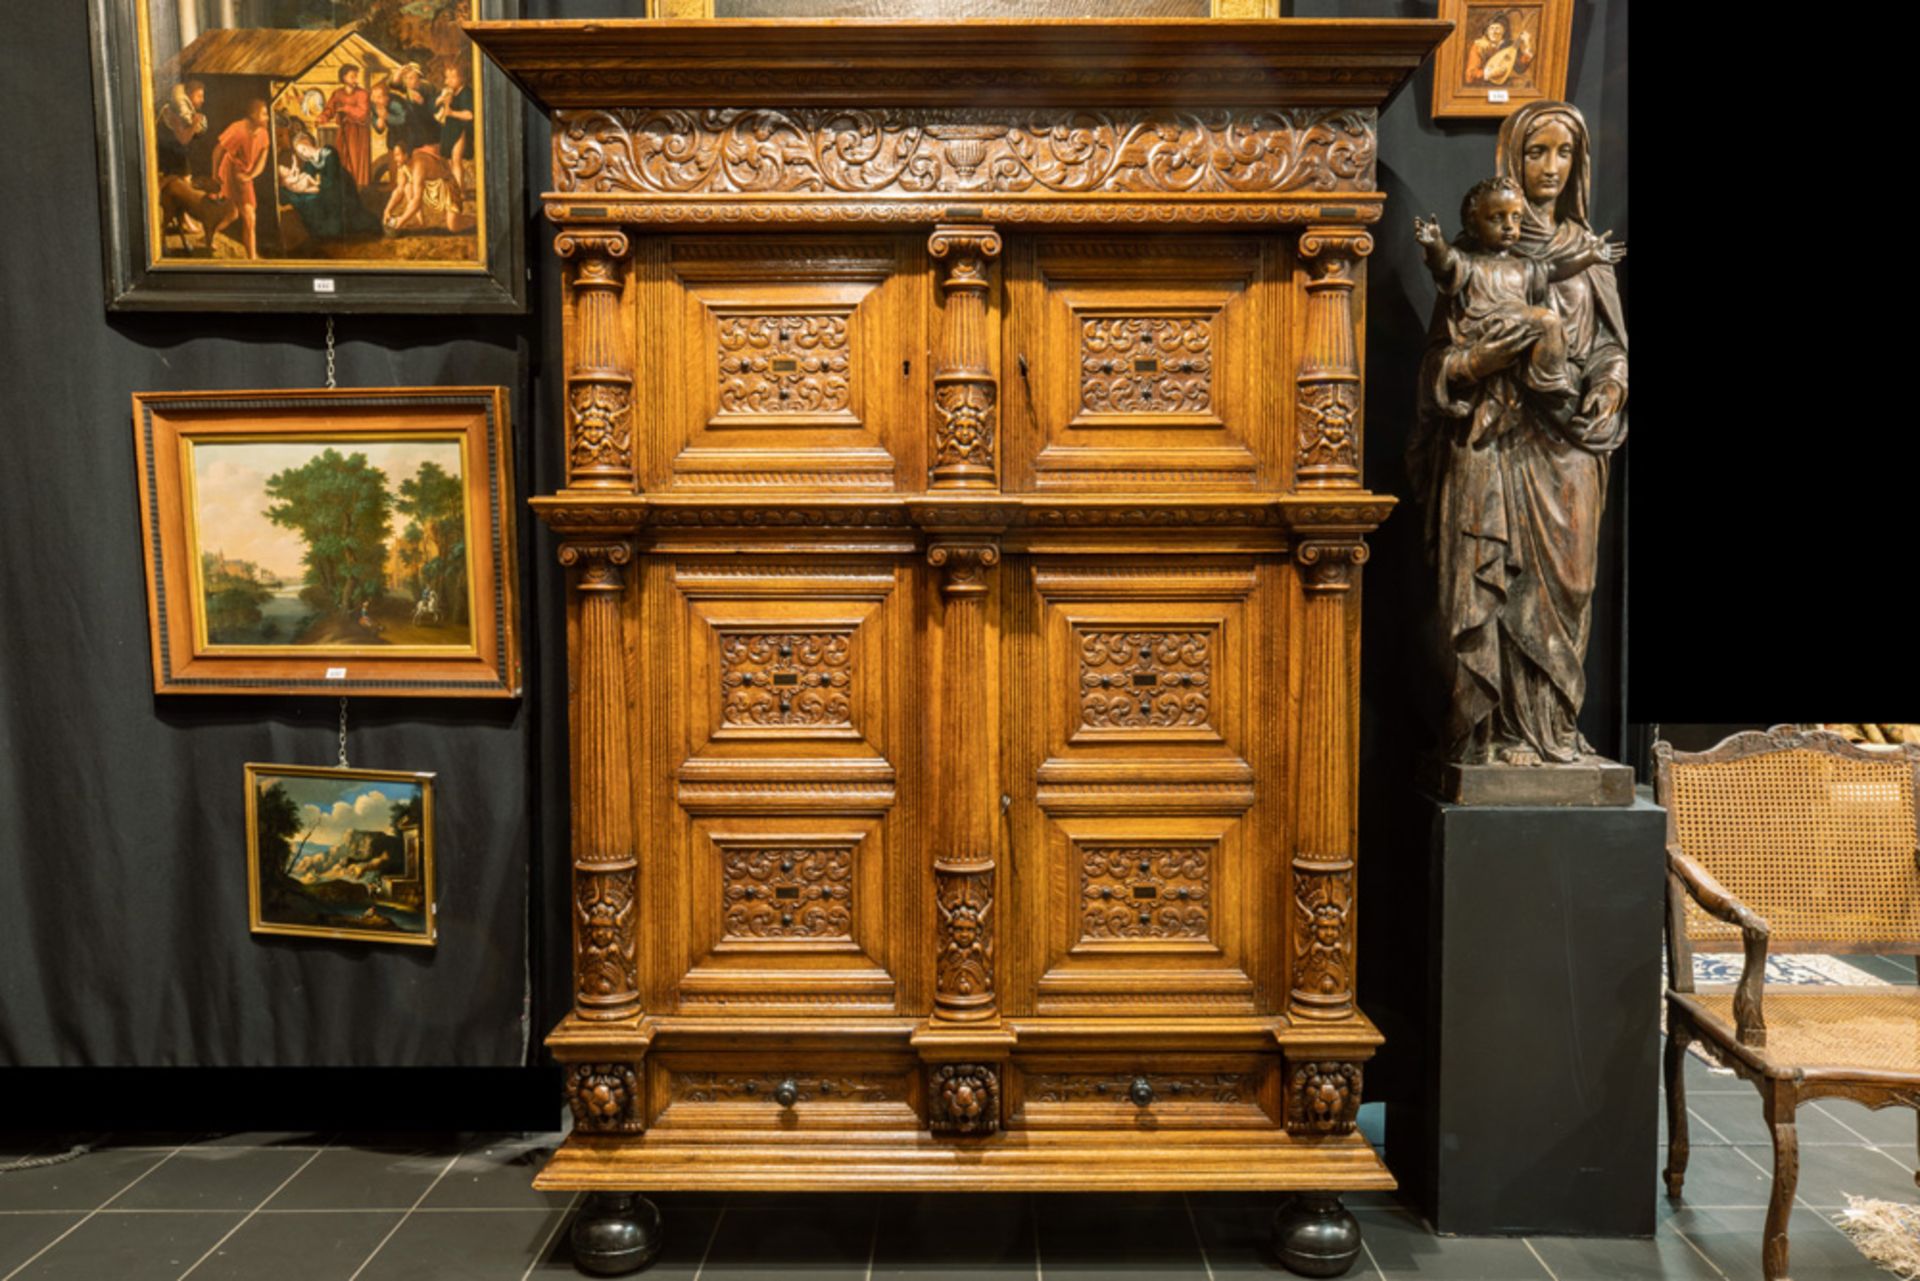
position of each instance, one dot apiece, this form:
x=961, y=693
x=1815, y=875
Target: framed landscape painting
x=340, y=853
x=287, y=155
x=329, y=542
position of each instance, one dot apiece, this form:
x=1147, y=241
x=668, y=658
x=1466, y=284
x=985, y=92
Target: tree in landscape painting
x=276, y=822
x=435, y=499
x=340, y=505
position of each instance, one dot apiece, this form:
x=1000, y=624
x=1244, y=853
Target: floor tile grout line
x=873, y=1241
x=427, y=1191
x=1551, y=1274
x=711, y=1238
x=82, y=1221
x=1194, y=1223
x=546, y=1244
x=1033, y=1213
x=1798, y=1200
x=1695, y=1247
x=1368, y=1251
x=311, y=1158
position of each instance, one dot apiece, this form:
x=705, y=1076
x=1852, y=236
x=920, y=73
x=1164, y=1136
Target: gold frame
x=1085, y=8
x=425, y=782
x=1454, y=101
x=167, y=425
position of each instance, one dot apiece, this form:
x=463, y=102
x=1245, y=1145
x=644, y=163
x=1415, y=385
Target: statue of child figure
x=1495, y=293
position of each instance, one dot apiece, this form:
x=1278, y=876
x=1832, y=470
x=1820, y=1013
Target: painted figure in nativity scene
x=321, y=190
x=425, y=192
x=454, y=111
x=239, y=157
x=183, y=119
x=350, y=112
x=1514, y=474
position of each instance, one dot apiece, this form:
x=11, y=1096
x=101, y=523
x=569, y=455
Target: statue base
x=1595, y=781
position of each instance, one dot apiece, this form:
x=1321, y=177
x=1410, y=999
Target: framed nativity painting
x=1501, y=56
x=340, y=853
x=320, y=155
x=329, y=542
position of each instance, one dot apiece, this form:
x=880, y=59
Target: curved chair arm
x=1718, y=902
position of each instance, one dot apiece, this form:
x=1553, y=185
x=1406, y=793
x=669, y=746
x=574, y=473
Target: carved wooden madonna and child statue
x=1523, y=394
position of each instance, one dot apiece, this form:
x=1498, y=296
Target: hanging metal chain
x=343, y=732
x=332, y=380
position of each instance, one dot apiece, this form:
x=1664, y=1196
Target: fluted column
x=966, y=395
x=1323, y=860
x=600, y=381
x=966, y=735
x=1327, y=386
x=605, y=865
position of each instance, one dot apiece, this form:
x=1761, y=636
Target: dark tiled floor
x=291, y=1207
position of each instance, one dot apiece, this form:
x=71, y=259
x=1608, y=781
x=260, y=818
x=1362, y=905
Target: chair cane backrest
x=1814, y=833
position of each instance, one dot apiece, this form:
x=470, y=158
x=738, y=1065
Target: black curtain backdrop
x=123, y=936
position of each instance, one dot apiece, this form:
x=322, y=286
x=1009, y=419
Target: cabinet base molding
x=915, y=1161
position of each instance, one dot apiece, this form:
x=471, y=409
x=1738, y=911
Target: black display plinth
x=1540, y=1105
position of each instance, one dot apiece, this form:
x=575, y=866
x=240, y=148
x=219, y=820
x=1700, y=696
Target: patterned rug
x=1887, y=1232
x=1809, y=969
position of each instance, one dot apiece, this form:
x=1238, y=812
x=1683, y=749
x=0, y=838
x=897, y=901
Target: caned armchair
x=1798, y=842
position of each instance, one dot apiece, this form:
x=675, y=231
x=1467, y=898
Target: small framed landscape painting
x=340, y=853
x=288, y=155
x=329, y=542
x=1501, y=56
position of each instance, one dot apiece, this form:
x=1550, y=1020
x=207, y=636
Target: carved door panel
x=781, y=751
x=1148, y=361
x=793, y=362
x=1146, y=713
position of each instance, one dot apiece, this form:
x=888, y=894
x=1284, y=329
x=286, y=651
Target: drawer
x=766, y=1090
x=1163, y=1091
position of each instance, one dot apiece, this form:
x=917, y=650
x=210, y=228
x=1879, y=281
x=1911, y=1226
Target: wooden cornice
x=1059, y=62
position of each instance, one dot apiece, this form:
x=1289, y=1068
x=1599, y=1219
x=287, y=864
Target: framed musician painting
x=306, y=155
x=1500, y=57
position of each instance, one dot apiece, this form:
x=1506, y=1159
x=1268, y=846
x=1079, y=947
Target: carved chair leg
x=1677, y=1041
x=1315, y=1236
x=1786, y=1175
x=615, y=1233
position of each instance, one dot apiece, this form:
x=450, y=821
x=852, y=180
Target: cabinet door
x=1149, y=361
x=787, y=362
x=1146, y=715
x=777, y=808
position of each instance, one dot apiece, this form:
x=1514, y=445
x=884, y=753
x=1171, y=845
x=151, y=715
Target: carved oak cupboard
x=964, y=524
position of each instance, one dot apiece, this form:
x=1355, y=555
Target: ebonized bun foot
x=1315, y=1236
x=615, y=1233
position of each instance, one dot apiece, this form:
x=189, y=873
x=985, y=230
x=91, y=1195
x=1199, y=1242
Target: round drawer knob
x=787, y=1093
x=1142, y=1091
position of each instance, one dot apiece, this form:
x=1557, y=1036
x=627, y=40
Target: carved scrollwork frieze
x=1322, y=1097
x=963, y=1098
x=974, y=150
x=605, y=1098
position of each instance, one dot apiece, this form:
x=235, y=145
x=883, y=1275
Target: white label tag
x=336, y=673
x=1493, y=95
x=324, y=284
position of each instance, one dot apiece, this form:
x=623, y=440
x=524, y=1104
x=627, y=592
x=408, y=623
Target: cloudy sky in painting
x=339, y=809
x=230, y=492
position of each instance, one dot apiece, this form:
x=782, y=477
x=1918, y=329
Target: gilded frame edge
x=132, y=284
x=430, y=885
x=1450, y=102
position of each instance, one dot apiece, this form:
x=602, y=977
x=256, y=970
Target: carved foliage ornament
x=605, y=1098
x=791, y=364
x=733, y=1087
x=1151, y=680
x=1146, y=365
x=786, y=679
x=1323, y=1098
x=787, y=892
x=1144, y=892
x=963, y=1098
x=1061, y=1087
x=742, y=151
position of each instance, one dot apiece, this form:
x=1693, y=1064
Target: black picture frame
x=133, y=284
